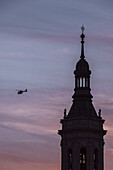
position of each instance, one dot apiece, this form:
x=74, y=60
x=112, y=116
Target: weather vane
x=82, y=28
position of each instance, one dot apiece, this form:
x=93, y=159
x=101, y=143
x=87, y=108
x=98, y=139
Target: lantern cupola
x=82, y=95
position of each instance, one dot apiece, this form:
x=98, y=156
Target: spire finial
x=82, y=28
x=82, y=42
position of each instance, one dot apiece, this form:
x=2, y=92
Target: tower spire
x=82, y=42
x=82, y=133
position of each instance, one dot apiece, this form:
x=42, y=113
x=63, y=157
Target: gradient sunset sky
x=39, y=48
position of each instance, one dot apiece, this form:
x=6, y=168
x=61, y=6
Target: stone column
x=101, y=157
x=76, y=158
x=89, y=157
x=64, y=163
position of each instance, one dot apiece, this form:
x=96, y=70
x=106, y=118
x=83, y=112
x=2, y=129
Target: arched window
x=80, y=81
x=83, y=82
x=82, y=159
x=95, y=159
x=70, y=159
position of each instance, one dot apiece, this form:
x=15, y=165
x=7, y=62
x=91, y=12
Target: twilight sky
x=39, y=48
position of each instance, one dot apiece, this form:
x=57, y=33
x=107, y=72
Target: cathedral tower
x=82, y=142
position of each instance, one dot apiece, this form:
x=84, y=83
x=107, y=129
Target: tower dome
x=82, y=64
x=82, y=68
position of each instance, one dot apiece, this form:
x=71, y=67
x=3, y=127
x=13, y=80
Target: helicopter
x=21, y=91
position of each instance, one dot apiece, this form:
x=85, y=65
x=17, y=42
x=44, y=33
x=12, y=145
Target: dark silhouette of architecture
x=21, y=91
x=82, y=142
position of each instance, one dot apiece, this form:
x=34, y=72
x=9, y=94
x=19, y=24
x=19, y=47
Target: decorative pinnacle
x=65, y=113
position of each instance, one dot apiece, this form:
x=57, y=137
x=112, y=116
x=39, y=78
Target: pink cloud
x=15, y=163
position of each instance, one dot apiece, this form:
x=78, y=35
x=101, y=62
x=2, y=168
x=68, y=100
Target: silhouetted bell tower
x=82, y=142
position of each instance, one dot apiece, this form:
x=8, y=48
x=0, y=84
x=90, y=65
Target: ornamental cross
x=82, y=28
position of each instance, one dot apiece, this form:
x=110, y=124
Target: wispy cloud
x=39, y=46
